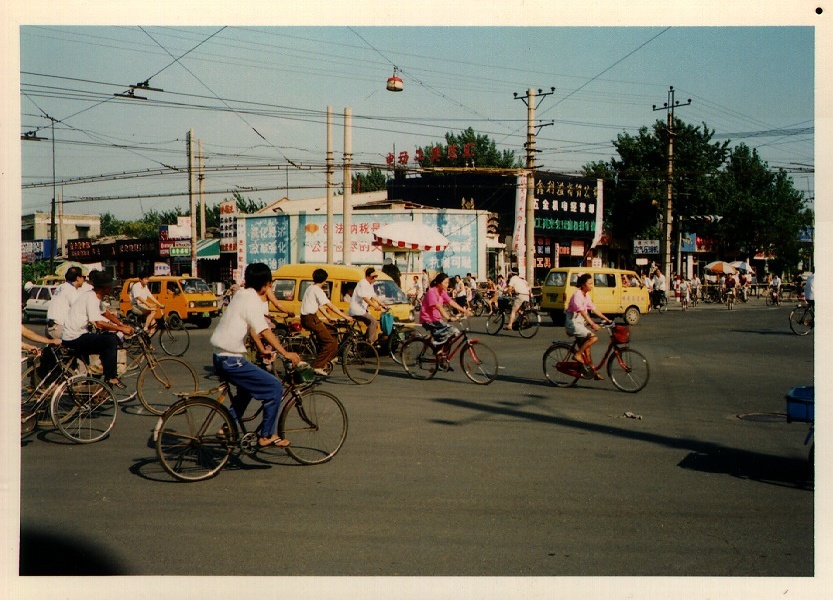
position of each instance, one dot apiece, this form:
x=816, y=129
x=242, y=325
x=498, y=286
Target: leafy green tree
x=244, y=205
x=483, y=149
x=372, y=181
x=147, y=226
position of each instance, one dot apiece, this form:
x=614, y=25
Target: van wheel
x=557, y=317
x=632, y=315
x=174, y=320
x=203, y=322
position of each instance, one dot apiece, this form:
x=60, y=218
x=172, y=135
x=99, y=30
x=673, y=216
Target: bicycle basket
x=621, y=333
x=303, y=373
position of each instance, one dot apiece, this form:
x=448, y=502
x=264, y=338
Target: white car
x=38, y=303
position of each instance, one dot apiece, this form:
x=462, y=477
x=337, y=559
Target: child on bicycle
x=577, y=320
x=245, y=311
x=433, y=316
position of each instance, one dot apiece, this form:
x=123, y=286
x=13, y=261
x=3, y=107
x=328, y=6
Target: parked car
x=38, y=302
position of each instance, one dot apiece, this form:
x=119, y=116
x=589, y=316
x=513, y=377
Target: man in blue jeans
x=245, y=313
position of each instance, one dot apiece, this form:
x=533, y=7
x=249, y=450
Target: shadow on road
x=48, y=553
x=704, y=456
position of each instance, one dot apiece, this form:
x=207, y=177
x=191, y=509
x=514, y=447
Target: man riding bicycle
x=315, y=301
x=244, y=312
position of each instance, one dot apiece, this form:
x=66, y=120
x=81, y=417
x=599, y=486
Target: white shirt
x=314, y=298
x=243, y=312
x=520, y=285
x=85, y=309
x=364, y=289
x=810, y=288
x=659, y=283
x=62, y=299
x=139, y=292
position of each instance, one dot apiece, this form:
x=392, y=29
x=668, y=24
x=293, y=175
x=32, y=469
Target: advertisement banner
x=688, y=242
x=568, y=207
x=646, y=246
x=519, y=233
x=267, y=240
x=228, y=226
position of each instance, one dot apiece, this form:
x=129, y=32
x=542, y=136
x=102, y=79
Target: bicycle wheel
x=479, y=362
x=802, y=320
x=555, y=354
x=84, y=409
x=174, y=340
x=396, y=340
x=478, y=305
x=315, y=424
x=159, y=382
x=194, y=438
x=663, y=304
x=419, y=359
x=494, y=323
x=360, y=361
x=628, y=370
x=529, y=323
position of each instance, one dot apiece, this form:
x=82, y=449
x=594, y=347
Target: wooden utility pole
x=200, y=177
x=330, y=225
x=192, y=202
x=347, y=216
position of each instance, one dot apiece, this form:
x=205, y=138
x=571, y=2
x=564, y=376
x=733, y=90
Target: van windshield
x=194, y=286
x=389, y=293
x=556, y=278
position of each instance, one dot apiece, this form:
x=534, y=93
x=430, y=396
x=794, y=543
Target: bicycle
x=159, y=379
x=527, y=321
x=627, y=368
x=659, y=301
x=81, y=407
x=803, y=319
x=773, y=298
x=729, y=297
x=422, y=357
x=398, y=337
x=359, y=358
x=173, y=337
x=196, y=436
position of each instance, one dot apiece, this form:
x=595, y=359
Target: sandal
x=277, y=442
x=117, y=384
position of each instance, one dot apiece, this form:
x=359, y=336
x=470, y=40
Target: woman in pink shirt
x=432, y=315
x=578, y=319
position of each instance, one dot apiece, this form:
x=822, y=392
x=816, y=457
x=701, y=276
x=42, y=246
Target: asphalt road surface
x=449, y=478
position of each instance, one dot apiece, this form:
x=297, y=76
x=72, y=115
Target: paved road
x=448, y=478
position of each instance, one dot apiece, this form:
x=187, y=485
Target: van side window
x=172, y=287
x=604, y=280
x=556, y=279
x=284, y=289
x=347, y=288
x=154, y=287
x=306, y=284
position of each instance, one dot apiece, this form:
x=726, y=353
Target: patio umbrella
x=720, y=266
x=410, y=235
x=742, y=266
x=61, y=270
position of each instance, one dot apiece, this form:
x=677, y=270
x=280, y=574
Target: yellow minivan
x=291, y=281
x=615, y=292
x=189, y=298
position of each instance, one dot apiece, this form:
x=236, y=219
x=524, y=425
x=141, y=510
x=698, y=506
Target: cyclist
x=810, y=290
x=315, y=301
x=433, y=315
x=775, y=288
x=143, y=303
x=685, y=289
x=578, y=319
x=659, y=288
x=364, y=297
x=520, y=288
x=34, y=337
x=245, y=311
x=62, y=299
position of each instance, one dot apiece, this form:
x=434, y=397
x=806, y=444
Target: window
x=154, y=287
x=284, y=289
x=83, y=231
x=306, y=284
x=45, y=294
x=604, y=280
x=172, y=287
x=556, y=279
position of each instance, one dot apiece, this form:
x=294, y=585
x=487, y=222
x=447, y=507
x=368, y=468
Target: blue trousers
x=251, y=382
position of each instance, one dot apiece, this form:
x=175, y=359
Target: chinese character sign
x=461, y=255
x=267, y=240
x=228, y=226
x=567, y=206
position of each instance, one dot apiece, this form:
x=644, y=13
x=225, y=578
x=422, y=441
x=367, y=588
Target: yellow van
x=291, y=281
x=615, y=292
x=189, y=298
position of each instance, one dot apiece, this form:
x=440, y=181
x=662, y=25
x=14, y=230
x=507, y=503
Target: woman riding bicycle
x=578, y=320
x=433, y=316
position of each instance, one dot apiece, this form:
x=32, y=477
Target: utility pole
x=668, y=214
x=200, y=177
x=529, y=231
x=192, y=202
x=347, y=215
x=53, y=251
x=330, y=226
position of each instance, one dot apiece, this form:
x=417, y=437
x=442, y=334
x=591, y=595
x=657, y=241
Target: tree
x=147, y=226
x=244, y=205
x=372, y=181
x=483, y=150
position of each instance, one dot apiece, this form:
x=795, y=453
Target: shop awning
x=208, y=249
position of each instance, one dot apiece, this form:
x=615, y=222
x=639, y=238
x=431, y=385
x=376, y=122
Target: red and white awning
x=410, y=235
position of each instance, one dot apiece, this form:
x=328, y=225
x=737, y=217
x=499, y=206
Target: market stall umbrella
x=720, y=266
x=742, y=266
x=409, y=235
x=61, y=270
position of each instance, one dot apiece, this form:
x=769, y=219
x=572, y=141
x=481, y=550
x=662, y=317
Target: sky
x=256, y=97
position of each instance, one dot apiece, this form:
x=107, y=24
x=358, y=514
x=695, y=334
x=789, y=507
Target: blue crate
x=801, y=404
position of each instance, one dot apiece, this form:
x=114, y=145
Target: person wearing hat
x=85, y=311
x=364, y=296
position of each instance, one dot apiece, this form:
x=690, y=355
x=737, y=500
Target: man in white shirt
x=810, y=289
x=245, y=312
x=142, y=302
x=520, y=287
x=659, y=286
x=315, y=300
x=62, y=299
x=364, y=296
x=85, y=311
